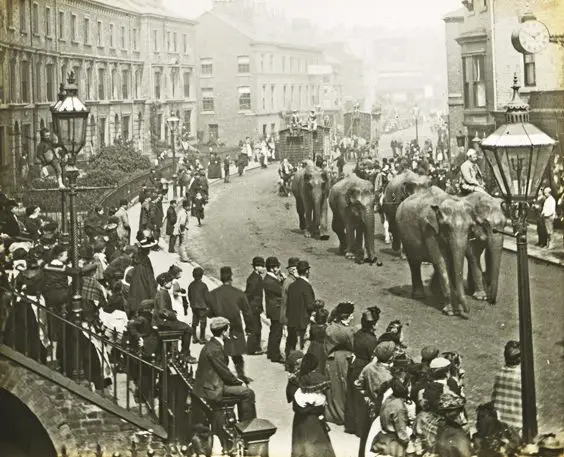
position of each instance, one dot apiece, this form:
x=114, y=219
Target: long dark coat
x=143, y=284
x=299, y=304
x=272, y=297
x=171, y=219
x=230, y=302
x=254, y=292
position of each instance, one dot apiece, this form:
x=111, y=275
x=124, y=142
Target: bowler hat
x=293, y=262
x=272, y=262
x=303, y=265
x=258, y=261
x=217, y=323
x=428, y=353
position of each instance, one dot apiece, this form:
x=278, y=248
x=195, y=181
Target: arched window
x=116, y=127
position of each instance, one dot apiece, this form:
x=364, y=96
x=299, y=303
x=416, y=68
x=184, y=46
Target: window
x=206, y=66
x=271, y=66
x=155, y=40
x=47, y=21
x=86, y=27
x=111, y=35
x=73, y=28
x=243, y=64
x=13, y=80
x=35, y=19
x=122, y=37
x=168, y=43
x=159, y=126
x=284, y=99
x=50, y=70
x=134, y=36
x=125, y=84
x=113, y=88
x=261, y=63
x=186, y=44
x=24, y=70
x=186, y=84
x=38, y=83
x=88, y=83
x=283, y=64
x=61, y=25
x=479, y=88
x=207, y=99
x=101, y=85
x=102, y=131
x=125, y=128
x=530, y=70
x=214, y=131
x=99, y=33
x=3, y=155
x=23, y=16
x=173, y=81
x=244, y=98
x=466, y=75
x=2, y=100
x=174, y=41
x=10, y=13
x=157, y=84
x=137, y=83
x=272, y=93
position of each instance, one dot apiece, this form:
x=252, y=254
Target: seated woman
x=394, y=419
x=310, y=433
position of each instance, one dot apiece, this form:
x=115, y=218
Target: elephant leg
x=323, y=235
x=358, y=248
x=339, y=228
x=301, y=213
x=443, y=282
x=475, y=279
x=309, y=229
x=386, y=225
x=417, y=289
x=350, y=233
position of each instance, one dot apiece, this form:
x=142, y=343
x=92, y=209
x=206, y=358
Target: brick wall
x=68, y=419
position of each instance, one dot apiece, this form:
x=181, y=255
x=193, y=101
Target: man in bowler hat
x=255, y=296
x=299, y=307
x=273, y=297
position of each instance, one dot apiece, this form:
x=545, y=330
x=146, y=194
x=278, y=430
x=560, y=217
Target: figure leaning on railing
x=49, y=157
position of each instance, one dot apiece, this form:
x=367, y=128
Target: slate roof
x=144, y=7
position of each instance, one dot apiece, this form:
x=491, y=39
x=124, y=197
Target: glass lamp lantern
x=70, y=118
x=173, y=122
x=518, y=153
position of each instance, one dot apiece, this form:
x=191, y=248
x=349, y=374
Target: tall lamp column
x=173, y=122
x=416, y=114
x=518, y=154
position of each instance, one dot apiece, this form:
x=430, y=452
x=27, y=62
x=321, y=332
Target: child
x=178, y=294
x=317, y=338
x=198, y=207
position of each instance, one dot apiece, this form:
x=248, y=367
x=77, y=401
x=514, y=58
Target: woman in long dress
x=339, y=346
x=310, y=433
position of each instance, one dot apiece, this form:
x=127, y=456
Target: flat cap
x=385, y=351
x=218, y=322
x=438, y=363
x=258, y=261
x=428, y=353
x=293, y=262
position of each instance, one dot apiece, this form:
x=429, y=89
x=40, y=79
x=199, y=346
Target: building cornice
x=473, y=36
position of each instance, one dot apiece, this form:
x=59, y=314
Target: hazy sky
x=392, y=14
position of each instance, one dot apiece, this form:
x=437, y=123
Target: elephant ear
x=434, y=218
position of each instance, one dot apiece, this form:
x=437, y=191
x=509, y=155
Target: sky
x=400, y=14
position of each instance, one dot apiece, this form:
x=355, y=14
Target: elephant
x=352, y=204
x=398, y=189
x=434, y=227
x=310, y=187
x=490, y=219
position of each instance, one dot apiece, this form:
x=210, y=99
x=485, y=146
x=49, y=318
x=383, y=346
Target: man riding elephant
x=310, y=187
x=471, y=179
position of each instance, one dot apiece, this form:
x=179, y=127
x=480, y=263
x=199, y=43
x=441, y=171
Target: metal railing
x=87, y=353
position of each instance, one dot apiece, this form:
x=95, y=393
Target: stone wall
x=68, y=419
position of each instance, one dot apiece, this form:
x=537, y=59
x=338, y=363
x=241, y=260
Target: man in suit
x=273, y=297
x=213, y=379
x=255, y=296
x=171, y=219
x=299, y=307
x=230, y=302
x=288, y=281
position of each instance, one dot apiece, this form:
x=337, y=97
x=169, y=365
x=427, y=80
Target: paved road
x=246, y=218
x=403, y=136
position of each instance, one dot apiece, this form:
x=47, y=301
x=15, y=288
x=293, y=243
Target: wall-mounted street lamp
x=173, y=122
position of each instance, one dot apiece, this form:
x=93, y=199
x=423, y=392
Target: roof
x=144, y=7
x=339, y=52
x=262, y=31
x=454, y=15
x=518, y=134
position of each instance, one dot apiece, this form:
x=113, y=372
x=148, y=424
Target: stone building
x=481, y=68
x=133, y=61
x=251, y=72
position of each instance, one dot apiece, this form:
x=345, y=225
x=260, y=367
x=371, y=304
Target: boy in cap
x=200, y=301
x=164, y=317
x=255, y=296
x=214, y=380
x=273, y=296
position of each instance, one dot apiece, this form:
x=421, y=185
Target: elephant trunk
x=458, y=255
x=368, y=225
x=316, y=216
x=493, y=264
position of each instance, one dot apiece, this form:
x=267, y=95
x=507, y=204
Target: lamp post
x=173, y=122
x=518, y=154
x=70, y=117
x=416, y=114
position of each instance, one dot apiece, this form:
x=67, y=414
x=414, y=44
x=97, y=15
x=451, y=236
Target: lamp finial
x=517, y=110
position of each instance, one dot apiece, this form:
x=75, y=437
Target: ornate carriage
x=362, y=124
x=299, y=144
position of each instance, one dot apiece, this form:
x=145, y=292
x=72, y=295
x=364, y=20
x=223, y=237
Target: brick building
x=251, y=71
x=481, y=68
x=133, y=61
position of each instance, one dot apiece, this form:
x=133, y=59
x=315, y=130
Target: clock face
x=533, y=36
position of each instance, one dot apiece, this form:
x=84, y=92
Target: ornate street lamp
x=173, y=122
x=518, y=154
x=416, y=114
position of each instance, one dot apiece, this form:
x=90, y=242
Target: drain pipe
x=493, y=49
